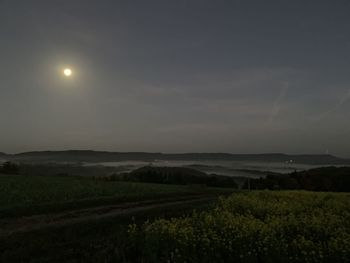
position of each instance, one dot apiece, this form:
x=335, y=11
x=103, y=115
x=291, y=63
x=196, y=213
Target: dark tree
x=9, y=168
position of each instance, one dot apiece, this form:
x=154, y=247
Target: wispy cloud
x=335, y=108
x=277, y=103
x=341, y=101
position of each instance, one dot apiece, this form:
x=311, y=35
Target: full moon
x=67, y=72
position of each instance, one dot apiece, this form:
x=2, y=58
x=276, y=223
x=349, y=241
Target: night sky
x=175, y=76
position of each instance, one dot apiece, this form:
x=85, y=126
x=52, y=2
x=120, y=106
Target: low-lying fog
x=229, y=168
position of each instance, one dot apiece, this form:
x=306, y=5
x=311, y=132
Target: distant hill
x=102, y=156
x=3, y=156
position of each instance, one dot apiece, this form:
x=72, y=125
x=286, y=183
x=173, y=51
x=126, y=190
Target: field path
x=9, y=226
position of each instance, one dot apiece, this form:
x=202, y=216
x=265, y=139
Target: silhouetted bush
x=9, y=168
x=335, y=179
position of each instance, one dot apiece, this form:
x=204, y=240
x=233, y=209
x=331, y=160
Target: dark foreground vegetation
x=266, y=226
x=94, y=241
x=333, y=179
x=38, y=218
x=253, y=227
x=57, y=201
x=26, y=195
x=9, y=168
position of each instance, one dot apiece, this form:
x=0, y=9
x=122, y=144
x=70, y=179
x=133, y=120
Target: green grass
x=104, y=240
x=253, y=227
x=257, y=226
x=38, y=194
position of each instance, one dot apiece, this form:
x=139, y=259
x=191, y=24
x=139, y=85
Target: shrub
x=255, y=227
x=9, y=168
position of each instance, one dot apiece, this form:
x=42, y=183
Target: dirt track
x=11, y=226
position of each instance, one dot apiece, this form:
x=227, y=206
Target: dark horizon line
x=167, y=153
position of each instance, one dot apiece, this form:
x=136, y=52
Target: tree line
x=328, y=179
x=9, y=168
x=176, y=175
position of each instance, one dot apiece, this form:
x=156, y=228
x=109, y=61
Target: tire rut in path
x=37, y=222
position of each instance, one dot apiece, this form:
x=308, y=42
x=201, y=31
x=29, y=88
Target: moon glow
x=67, y=72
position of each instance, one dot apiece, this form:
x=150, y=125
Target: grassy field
x=257, y=226
x=253, y=227
x=103, y=239
x=39, y=194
